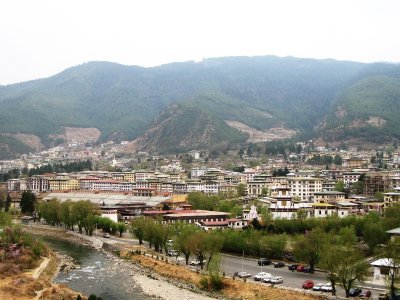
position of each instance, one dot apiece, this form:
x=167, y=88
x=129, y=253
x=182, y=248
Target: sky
x=41, y=38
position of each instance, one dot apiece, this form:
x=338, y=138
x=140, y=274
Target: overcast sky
x=41, y=38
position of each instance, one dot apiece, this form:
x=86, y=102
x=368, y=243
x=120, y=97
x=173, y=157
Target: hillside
x=368, y=109
x=118, y=102
x=184, y=127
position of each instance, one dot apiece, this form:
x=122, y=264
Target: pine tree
x=8, y=203
x=27, y=202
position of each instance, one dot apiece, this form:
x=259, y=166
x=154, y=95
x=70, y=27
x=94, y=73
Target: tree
x=333, y=252
x=121, y=227
x=8, y=203
x=337, y=160
x=309, y=247
x=391, y=255
x=351, y=267
x=241, y=189
x=199, y=246
x=214, y=242
x=28, y=201
x=339, y=186
x=2, y=200
x=85, y=212
x=183, y=243
x=137, y=226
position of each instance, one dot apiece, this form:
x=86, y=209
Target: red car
x=300, y=269
x=308, y=284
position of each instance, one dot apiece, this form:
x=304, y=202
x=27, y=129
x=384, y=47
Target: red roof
x=215, y=223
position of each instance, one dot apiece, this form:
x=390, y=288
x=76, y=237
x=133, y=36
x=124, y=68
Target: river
x=100, y=274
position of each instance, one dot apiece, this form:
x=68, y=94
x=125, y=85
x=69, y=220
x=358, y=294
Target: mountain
x=184, y=127
x=368, y=108
x=117, y=102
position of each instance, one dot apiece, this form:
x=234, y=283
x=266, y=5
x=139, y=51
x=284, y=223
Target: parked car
x=365, y=294
x=293, y=267
x=244, y=275
x=260, y=276
x=318, y=287
x=267, y=279
x=106, y=235
x=194, y=262
x=383, y=296
x=300, y=268
x=308, y=284
x=173, y=252
x=327, y=287
x=276, y=280
x=354, y=292
x=279, y=264
x=308, y=269
x=264, y=262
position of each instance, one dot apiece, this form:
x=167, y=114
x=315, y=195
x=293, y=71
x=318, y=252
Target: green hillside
x=183, y=127
x=368, y=109
x=123, y=102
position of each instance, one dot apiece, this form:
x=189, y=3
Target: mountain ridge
x=262, y=92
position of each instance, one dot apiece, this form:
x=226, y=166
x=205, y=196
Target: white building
x=304, y=187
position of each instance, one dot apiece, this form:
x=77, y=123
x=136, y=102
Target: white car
x=173, y=252
x=260, y=276
x=267, y=279
x=276, y=279
x=327, y=287
x=244, y=275
x=318, y=286
x=194, y=262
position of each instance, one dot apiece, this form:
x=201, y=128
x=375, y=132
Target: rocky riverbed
x=131, y=281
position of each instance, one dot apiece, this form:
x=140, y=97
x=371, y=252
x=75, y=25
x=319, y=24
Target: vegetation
x=28, y=202
x=18, y=249
x=60, y=168
x=251, y=90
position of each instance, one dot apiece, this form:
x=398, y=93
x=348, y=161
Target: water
x=99, y=274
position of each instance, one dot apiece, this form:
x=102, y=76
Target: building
x=304, y=187
x=329, y=197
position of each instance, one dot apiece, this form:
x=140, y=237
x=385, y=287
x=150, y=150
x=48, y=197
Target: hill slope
x=368, y=109
x=184, y=127
x=260, y=92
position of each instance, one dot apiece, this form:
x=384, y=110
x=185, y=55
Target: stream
x=103, y=275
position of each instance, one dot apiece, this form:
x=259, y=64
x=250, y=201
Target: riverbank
x=163, y=278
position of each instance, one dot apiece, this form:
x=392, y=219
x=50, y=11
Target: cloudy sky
x=41, y=38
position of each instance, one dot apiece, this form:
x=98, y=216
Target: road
x=231, y=264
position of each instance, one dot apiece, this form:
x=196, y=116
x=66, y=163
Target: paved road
x=231, y=264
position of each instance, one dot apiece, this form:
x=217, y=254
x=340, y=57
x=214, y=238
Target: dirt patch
x=82, y=135
x=376, y=121
x=256, y=135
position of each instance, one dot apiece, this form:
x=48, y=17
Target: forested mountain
x=266, y=92
x=368, y=109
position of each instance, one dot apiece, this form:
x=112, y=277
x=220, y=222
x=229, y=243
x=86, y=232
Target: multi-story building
x=390, y=199
x=329, y=197
x=350, y=177
x=304, y=187
x=38, y=183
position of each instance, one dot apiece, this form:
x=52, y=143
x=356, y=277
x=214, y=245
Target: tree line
x=81, y=214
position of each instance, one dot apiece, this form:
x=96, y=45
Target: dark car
x=308, y=270
x=279, y=264
x=293, y=267
x=354, y=292
x=264, y=262
x=365, y=294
